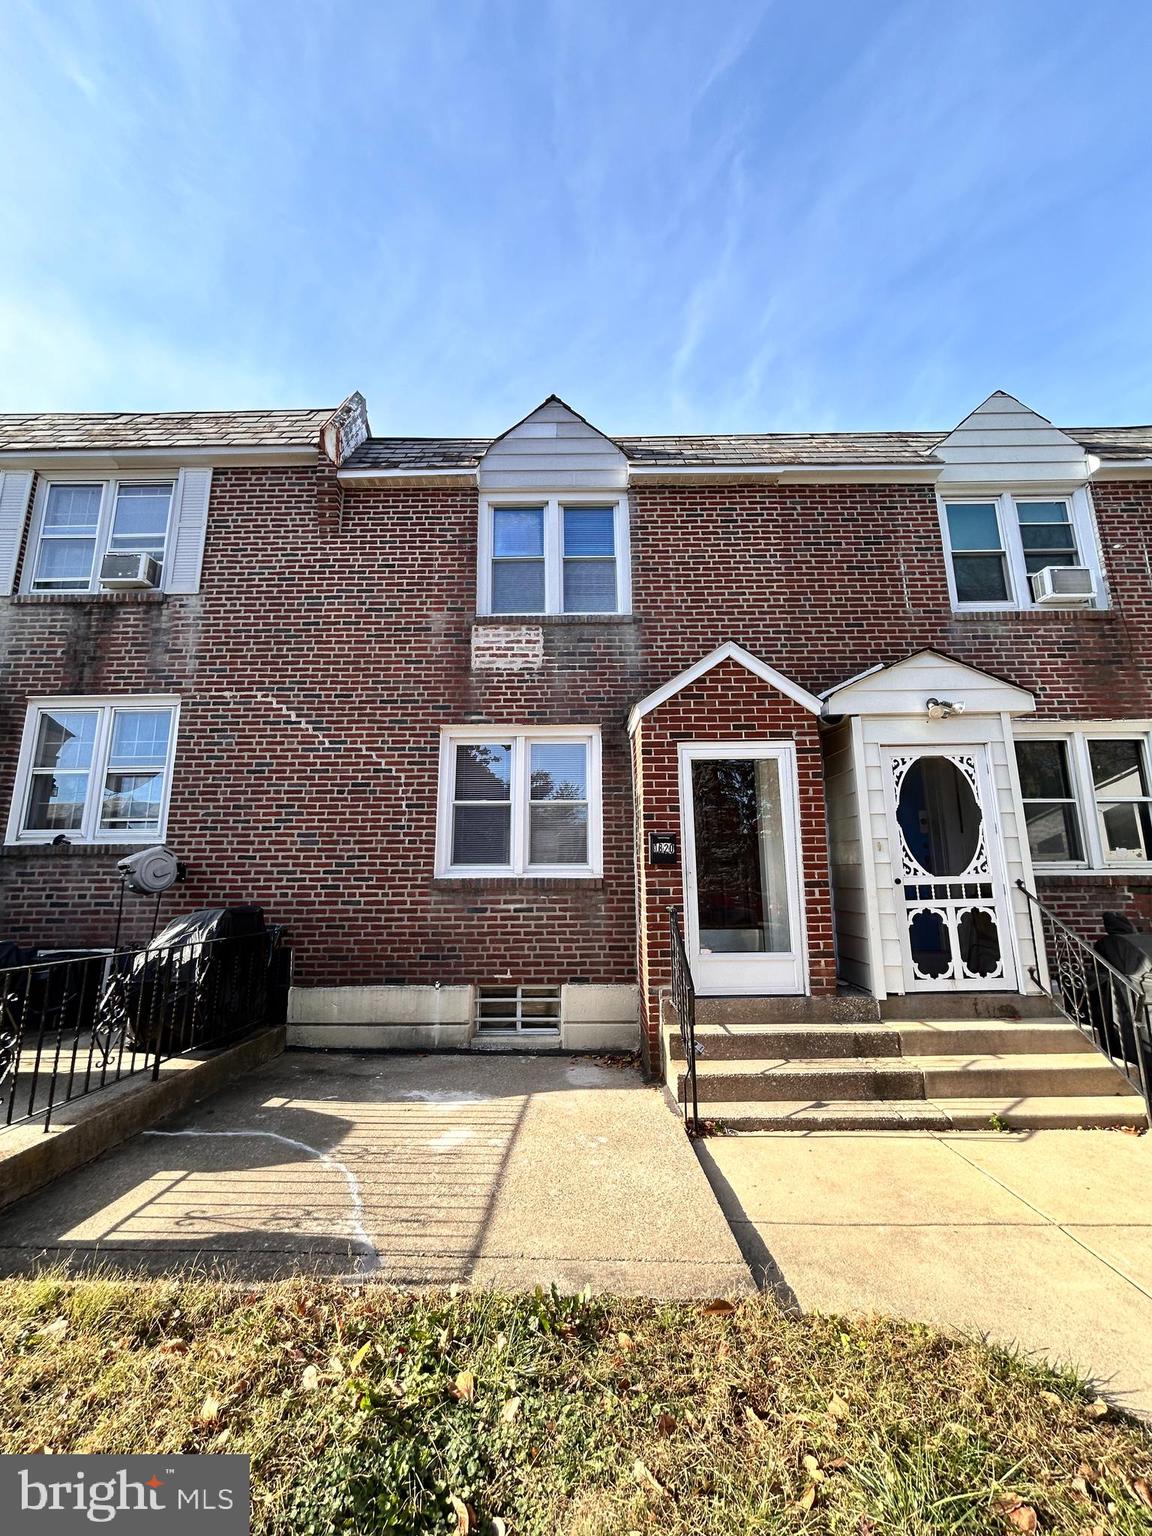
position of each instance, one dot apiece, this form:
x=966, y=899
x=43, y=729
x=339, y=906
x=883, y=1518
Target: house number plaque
x=663, y=848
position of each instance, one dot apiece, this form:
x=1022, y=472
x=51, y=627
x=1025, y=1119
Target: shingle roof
x=818, y=448
x=31, y=433
x=113, y=430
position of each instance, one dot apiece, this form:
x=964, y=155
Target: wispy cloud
x=736, y=216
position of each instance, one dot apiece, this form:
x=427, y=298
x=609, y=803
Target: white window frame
x=89, y=830
x=1080, y=516
x=521, y=737
x=554, y=505
x=109, y=486
x=1076, y=739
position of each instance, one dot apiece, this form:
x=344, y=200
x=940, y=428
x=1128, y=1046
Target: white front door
x=744, y=922
x=952, y=906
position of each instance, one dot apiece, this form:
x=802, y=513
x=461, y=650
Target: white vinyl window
x=519, y=802
x=94, y=770
x=997, y=543
x=1087, y=797
x=78, y=522
x=548, y=554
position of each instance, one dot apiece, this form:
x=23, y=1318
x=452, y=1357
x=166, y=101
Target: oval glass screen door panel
x=743, y=916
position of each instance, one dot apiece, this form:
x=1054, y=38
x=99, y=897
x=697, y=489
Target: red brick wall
x=330, y=642
x=327, y=647
x=727, y=704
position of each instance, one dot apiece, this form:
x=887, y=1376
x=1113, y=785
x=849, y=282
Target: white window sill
x=554, y=618
x=126, y=595
x=119, y=840
x=1048, y=610
x=1072, y=870
x=544, y=872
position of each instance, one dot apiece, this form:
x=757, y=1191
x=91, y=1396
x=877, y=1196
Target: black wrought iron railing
x=684, y=1002
x=1110, y=1008
x=72, y=1026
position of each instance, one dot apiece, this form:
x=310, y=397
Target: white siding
x=904, y=689
x=553, y=449
x=850, y=881
x=1005, y=443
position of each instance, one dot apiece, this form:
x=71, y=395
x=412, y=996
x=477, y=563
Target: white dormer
x=553, y=448
x=553, y=519
x=1004, y=442
x=1016, y=513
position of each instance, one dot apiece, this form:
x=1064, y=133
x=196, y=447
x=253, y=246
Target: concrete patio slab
x=415, y=1170
x=1041, y=1239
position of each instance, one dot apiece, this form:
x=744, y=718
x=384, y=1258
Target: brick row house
x=470, y=717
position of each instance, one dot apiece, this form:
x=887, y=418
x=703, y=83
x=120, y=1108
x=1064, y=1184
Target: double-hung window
x=78, y=522
x=94, y=770
x=996, y=544
x=519, y=802
x=554, y=555
x=1087, y=799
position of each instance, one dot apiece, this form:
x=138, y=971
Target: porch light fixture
x=943, y=709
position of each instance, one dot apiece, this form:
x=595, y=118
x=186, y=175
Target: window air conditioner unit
x=124, y=572
x=1064, y=586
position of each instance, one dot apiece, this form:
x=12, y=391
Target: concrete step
x=964, y=1005
x=1076, y=1074
x=968, y=1037
x=976, y=1114
x=810, y=1042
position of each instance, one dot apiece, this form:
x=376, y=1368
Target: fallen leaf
x=510, y=1409
x=807, y=1498
x=625, y=1341
x=837, y=1407
x=460, y=1510
x=1142, y=1491
x=464, y=1387
x=666, y=1424
x=221, y=1439
x=1052, y=1397
x=501, y=1344
x=1022, y=1518
x=812, y=1467
x=310, y=1380
x=838, y=1465
x=210, y=1410
x=642, y=1475
x=55, y=1329
x=1098, y=1410
x=718, y=1308
x=174, y=1347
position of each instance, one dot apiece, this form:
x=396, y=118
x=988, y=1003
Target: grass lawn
x=366, y=1411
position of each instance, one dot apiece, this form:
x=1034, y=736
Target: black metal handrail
x=1107, y=1006
x=684, y=1002
x=71, y=1027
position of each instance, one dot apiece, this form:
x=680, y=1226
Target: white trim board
x=730, y=651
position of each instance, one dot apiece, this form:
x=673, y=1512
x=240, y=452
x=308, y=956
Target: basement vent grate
x=518, y=1010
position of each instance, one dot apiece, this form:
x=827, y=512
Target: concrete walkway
x=1042, y=1238
x=505, y=1170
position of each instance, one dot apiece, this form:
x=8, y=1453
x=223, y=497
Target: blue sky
x=707, y=215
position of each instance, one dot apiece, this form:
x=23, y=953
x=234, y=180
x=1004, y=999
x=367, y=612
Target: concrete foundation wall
x=422, y=1018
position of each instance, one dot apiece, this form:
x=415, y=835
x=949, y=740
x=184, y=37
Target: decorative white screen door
x=948, y=871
